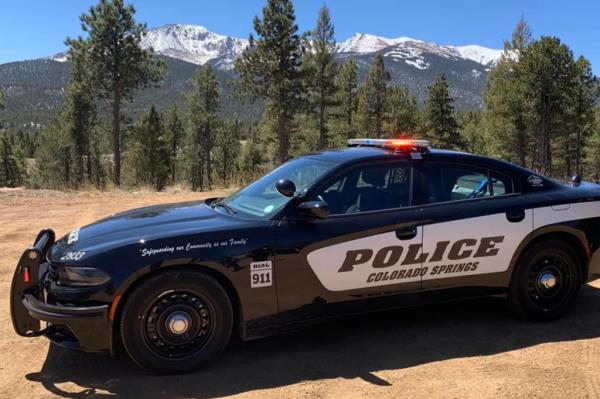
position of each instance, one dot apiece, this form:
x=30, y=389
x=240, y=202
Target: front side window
x=446, y=182
x=261, y=199
x=369, y=188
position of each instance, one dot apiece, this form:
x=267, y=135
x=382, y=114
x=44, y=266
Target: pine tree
x=521, y=38
x=1, y=109
x=269, y=67
x=53, y=157
x=175, y=131
x=116, y=63
x=592, y=151
x=438, y=114
x=227, y=150
x=321, y=70
x=402, y=114
x=504, y=115
x=372, y=99
x=546, y=71
x=470, y=123
x=347, y=90
x=79, y=113
x=151, y=151
x=12, y=163
x=203, y=103
x=581, y=117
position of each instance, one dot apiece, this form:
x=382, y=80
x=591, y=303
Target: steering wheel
x=480, y=190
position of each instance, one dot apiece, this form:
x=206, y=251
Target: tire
x=176, y=322
x=546, y=281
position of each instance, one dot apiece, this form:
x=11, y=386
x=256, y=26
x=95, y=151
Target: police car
x=380, y=224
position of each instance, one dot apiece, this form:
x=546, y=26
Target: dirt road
x=471, y=349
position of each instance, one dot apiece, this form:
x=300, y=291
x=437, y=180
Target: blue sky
x=35, y=28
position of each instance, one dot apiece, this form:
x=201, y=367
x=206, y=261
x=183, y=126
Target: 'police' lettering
x=488, y=246
x=392, y=256
x=355, y=257
x=387, y=256
x=457, y=252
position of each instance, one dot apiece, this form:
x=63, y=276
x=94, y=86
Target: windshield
x=261, y=198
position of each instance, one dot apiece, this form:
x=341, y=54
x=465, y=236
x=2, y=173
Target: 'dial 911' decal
x=457, y=248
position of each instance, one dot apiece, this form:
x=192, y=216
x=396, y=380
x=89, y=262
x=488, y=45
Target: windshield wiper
x=229, y=209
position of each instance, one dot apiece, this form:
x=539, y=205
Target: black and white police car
x=381, y=224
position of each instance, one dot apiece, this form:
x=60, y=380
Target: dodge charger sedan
x=378, y=225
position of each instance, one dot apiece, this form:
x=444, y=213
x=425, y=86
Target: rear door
x=368, y=246
x=474, y=221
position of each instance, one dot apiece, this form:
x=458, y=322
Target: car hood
x=143, y=224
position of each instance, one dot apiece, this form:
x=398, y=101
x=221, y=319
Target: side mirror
x=575, y=181
x=314, y=209
x=286, y=187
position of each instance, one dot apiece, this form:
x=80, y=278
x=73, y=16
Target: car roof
x=352, y=155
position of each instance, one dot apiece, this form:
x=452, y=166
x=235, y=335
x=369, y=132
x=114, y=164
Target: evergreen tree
x=251, y=160
x=470, y=124
x=116, y=62
x=402, y=114
x=347, y=88
x=175, y=132
x=269, y=67
x=227, y=150
x=581, y=116
x=1, y=109
x=504, y=102
x=79, y=113
x=321, y=70
x=438, y=114
x=521, y=38
x=12, y=162
x=203, y=103
x=53, y=157
x=151, y=151
x=592, y=151
x=546, y=71
x=372, y=99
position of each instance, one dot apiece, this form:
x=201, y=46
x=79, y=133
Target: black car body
x=405, y=225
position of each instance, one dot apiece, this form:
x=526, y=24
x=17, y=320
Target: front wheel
x=546, y=281
x=176, y=322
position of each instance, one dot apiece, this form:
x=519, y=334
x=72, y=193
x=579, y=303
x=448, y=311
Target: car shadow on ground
x=352, y=347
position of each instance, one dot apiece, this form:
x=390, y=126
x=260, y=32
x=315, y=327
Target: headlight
x=81, y=276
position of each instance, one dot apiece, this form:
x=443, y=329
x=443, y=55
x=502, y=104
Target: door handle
x=515, y=216
x=407, y=233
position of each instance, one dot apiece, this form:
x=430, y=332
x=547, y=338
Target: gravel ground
x=468, y=349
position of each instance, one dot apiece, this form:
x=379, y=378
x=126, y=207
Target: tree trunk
x=283, y=136
x=116, y=114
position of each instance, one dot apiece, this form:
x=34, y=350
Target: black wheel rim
x=178, y=324
x=548, y=282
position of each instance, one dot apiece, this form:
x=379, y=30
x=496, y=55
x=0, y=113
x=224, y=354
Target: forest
x=540, y=109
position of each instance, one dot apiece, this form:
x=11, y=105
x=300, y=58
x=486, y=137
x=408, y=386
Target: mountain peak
x=198, y=45
x=193, y=43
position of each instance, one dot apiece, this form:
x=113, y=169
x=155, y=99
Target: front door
x=368, y=247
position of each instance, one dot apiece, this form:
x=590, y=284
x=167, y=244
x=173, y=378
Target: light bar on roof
x=390, y=143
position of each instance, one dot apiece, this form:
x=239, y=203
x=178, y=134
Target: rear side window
x=446, y=183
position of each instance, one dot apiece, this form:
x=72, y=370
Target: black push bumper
x=76, y=327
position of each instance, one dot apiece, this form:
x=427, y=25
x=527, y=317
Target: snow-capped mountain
x=194, y=43
x=412, y=49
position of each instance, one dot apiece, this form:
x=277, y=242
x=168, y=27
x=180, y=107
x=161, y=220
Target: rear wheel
x=546, y=281
x=176, y=322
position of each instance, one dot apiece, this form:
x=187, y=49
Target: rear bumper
x=86, y=328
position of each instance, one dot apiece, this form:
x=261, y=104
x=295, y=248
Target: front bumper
x=85, y=328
